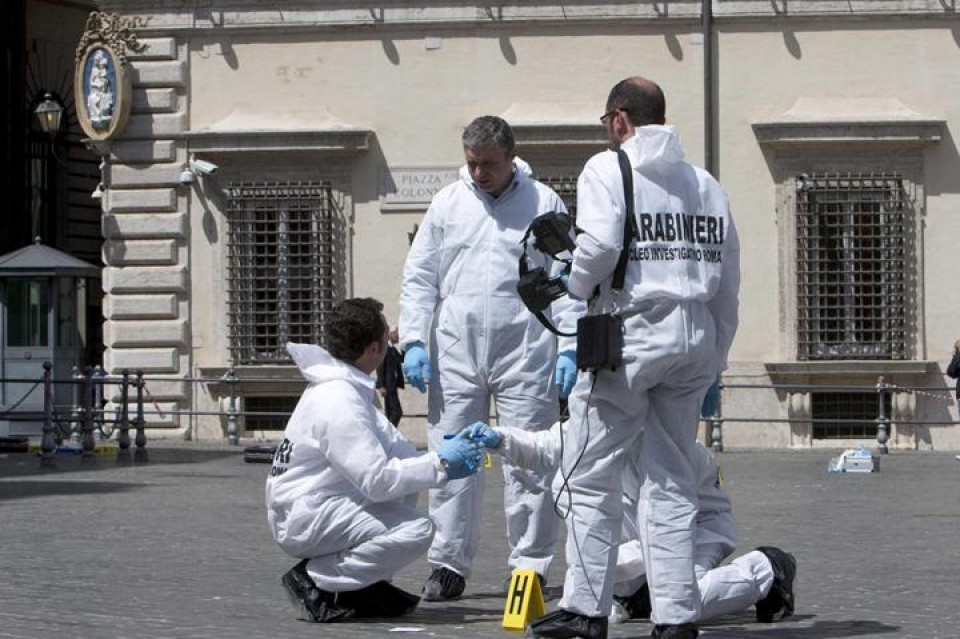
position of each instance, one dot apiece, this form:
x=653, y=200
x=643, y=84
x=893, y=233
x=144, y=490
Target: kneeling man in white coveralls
x=343, y=487
x=752, y=579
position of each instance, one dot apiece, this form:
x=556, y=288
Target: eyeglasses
x=609, y=114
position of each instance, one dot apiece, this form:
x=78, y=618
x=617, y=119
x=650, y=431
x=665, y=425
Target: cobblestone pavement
x=178, y=548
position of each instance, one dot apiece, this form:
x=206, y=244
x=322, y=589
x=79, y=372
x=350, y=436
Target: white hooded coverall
x=459, y=296
x=679, y=304
x=344, y=483
x=723, y=590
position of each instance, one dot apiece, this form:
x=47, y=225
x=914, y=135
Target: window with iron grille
x=285, y=266
x=847, y=415
x=853, y=256
x=566, y=187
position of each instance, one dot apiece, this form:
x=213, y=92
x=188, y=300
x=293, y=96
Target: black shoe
x=381, y=599
x=680, y=631
x=561, y=624
x=311, y=603
x=778, y=604
x=442, y=585
x=637, y=605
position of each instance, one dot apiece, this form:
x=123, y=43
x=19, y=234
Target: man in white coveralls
x=342, y=491
x=465, y=330
x=678, y=307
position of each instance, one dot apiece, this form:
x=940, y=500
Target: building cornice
x=328, y=142
x=166, y=16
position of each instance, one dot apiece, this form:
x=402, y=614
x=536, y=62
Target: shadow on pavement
x=819, y=630
x=447, y=613
x=27, y=464
x=26, y=489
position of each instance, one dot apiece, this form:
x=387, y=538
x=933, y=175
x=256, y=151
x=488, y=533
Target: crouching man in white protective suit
x=752, y=579
x=343, y=487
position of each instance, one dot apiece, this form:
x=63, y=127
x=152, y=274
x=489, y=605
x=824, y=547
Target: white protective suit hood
x=654, y=146
x=317, y=365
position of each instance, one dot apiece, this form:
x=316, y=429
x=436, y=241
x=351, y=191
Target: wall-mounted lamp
x=49, y=112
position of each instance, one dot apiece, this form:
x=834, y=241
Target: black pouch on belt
x=599, y=342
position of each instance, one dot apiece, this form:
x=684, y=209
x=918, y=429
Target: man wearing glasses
x=678, y=307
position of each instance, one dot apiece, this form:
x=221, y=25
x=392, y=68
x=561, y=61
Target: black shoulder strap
x=524, y=269
x=629, y=220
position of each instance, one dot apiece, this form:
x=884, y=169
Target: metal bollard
x=883, y=420
x=48, y=444
x=76, y=395
x=97, y=380
x=86, y=416
x=232, y=379
x=140, y=454
x=123, y=438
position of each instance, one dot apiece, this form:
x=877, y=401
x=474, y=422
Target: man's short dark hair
x=642, y=100
x=487, y=131
x=352, y=325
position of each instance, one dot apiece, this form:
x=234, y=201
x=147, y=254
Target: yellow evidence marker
x=524, y=600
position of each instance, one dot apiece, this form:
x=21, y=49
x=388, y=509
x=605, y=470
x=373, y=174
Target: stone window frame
x=793, y=147
x=286, y=155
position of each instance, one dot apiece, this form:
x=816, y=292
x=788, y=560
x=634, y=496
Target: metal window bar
x=286, y=266
x=852, y=260
x=566, y=187
x=846, y=415
x=268, y=412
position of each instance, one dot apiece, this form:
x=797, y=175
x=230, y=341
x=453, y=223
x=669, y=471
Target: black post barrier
x=716, y=422
x=123, y=439
x=97, y=381
x=76, y=395
x=48, y=444
x=883, y=420
x=140, y=454
x=86, y=415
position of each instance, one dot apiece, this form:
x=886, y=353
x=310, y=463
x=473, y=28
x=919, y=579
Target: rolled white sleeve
x=421, y=282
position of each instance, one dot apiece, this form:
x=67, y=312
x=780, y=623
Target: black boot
x=443, y=584
x=311, y=603
x=680, y=631
x=381, y=599
x=562, y=624
x=778, y=604
x=637, y=605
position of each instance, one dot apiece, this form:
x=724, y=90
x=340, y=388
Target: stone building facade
x=331, y=124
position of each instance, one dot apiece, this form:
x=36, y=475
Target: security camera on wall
x=202, y=167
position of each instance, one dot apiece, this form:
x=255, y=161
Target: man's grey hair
x=487, y=131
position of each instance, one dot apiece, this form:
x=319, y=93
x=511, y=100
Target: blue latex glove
x=565, y=374
x=482, y=433
x=416, y=366
x=462, y=456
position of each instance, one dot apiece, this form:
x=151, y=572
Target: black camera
x=552, y=233
x=538, y=290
